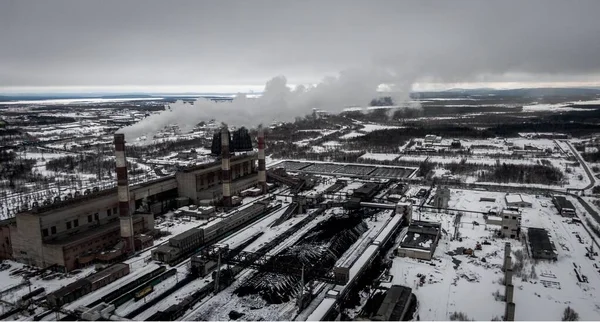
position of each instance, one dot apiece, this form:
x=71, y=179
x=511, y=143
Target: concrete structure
x=203, y=182
x=506, y=262
x=420, y=241
x=262, y=174
x=66, y=236
x=123, y=194
x=225, y=167
x=7, y=228
x=441, y=198
x=511, y=223
x=518, y=200
x=564, y=206
x=540, y=245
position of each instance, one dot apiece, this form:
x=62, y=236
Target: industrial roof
x=186, y=234
x=394, y=304
x=563, y=203
x=539, y=241
x=107, y=272
x=517, y=198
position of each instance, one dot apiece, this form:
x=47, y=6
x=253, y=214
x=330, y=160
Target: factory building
x=202, y=183
x=564, y=206
x=66, y=235
x=104, y=227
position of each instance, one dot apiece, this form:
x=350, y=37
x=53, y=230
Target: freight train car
x=129, y=286
x=143, y=292
x=126, y=297
x=190, y=241
x=86, y=285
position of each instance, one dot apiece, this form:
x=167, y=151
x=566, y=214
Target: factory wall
x=27, y=240
x=7, y=228
x=205, y=183
x=31, y=249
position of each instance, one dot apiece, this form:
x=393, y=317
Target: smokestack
x=225, y=167
x=123, y=193
x=262, y=175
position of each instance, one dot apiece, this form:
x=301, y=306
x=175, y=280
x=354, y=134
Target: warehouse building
x=518, y=200
x=540, y=245
x=564, y=206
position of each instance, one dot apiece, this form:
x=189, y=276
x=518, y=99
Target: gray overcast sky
x=184, y=43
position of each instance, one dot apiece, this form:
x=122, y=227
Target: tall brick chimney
x=123, y=194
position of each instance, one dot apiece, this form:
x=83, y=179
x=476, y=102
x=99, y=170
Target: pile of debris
x=314, y=255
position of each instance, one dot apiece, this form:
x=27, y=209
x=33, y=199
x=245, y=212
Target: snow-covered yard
x=468, y=286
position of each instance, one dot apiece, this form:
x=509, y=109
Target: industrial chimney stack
x=225, y=167
x=262, y=175
x=123, y=193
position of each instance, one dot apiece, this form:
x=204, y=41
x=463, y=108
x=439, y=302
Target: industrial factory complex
x=291, y=240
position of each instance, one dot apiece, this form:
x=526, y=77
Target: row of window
x=75, y=223
x=52, y=231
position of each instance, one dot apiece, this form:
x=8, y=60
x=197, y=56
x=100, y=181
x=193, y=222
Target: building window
x=506, y=217
x=53, y=230
x=76, y=223
x=505, y=227
x=514, y=217
x=109, y=212
x=96, y=217
x=90, y=218
x=115, y=210
x=68, y=225
x=45, y=232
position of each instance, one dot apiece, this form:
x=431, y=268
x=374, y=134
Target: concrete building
x=540, y=245
x=511, y=223
x=65, y=235
x=518, y=200
x=395, y=304
x=420, y=241
x=441, y=198
x=203, y=182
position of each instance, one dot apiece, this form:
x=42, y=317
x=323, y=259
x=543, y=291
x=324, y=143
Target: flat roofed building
x=203, y=182
x=395, y=304
x=540, y=245
x=564, y=206
x=518, y=200
x=511, y=223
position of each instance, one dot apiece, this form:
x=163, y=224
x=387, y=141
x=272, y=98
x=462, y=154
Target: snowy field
x=469, y=286
x=379, y=156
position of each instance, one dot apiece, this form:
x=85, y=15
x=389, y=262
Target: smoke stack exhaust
x=262, y=175
x=225, y=167
x=123, y=193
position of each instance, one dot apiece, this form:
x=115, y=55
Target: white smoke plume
x=278, y=102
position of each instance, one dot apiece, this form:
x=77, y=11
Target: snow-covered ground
x=78, y=100
x=379, y=156
x=469, y=286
